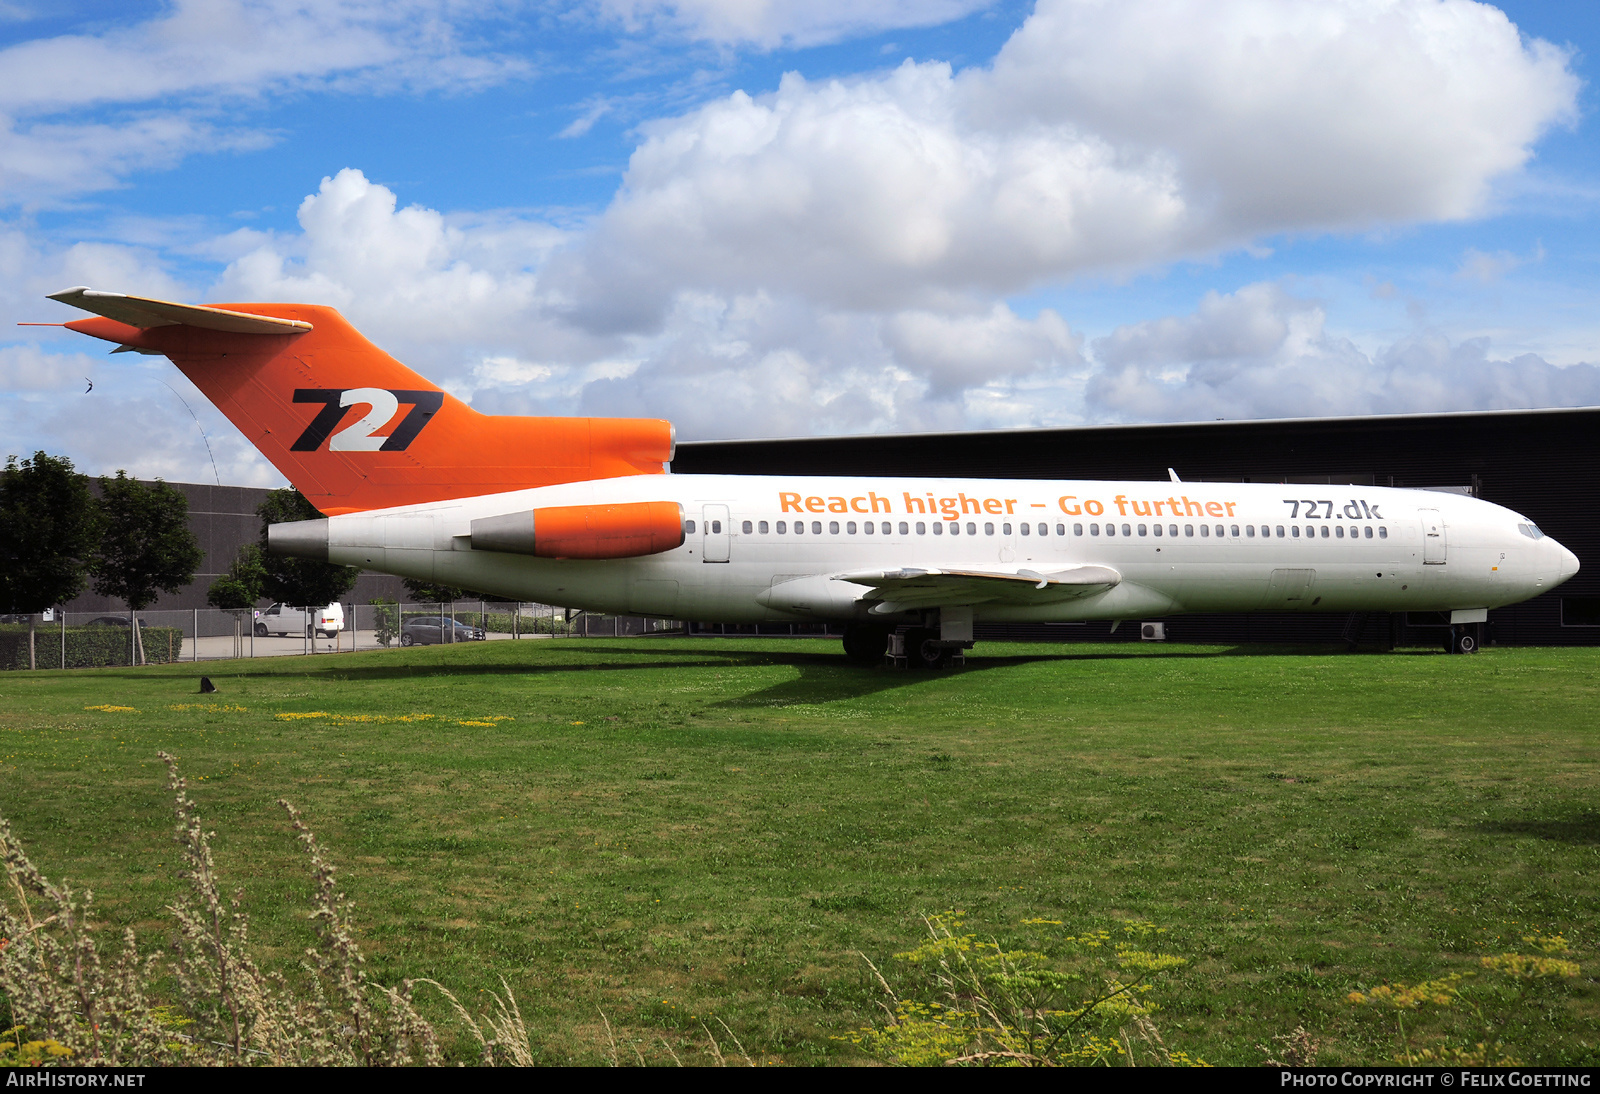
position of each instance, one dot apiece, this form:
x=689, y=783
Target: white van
x=282, y=620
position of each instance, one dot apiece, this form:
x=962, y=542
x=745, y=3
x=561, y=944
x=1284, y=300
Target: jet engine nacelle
x=624, y=530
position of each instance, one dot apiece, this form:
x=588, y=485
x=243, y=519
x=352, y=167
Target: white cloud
x=1105, y=137
x=1292, y=116
x=770, y=24
x=411, y=272
x=1262, y=353
x=78, y=112
x=29, y=368
x=1488, y=268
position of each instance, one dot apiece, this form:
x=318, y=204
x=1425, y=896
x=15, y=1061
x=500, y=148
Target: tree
x=146, y=545
x=240, y=587
x=429, y=593
x=303, y=582
x=49, y=527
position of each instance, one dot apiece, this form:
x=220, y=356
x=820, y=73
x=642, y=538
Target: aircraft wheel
x=261, y=630
x=406, y=640
x=931, y=655
x=1466, y=641
x=865, y=645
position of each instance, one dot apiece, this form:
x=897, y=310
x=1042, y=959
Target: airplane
x=585, y=513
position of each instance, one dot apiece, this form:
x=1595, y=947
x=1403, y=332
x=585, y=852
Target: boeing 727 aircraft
x=582, y=512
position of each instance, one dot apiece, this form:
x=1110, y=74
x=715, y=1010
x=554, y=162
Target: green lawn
x=674, y=831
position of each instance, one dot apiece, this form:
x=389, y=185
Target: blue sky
x=761, y=218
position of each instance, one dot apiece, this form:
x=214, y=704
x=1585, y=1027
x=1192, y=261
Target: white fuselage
x=1179, y=547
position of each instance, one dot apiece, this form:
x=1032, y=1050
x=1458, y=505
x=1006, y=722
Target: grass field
x=674, y=831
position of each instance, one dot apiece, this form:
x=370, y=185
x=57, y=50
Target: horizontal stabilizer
x=914, y=588
x=143, y=312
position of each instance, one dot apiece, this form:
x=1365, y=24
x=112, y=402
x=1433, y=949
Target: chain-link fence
x=86, y=640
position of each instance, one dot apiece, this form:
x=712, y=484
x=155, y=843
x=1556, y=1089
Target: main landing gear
x=903, y=647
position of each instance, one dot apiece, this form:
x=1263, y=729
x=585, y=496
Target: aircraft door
x=715, y=530
x=1435, y=546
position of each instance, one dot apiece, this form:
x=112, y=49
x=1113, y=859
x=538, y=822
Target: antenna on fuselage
x=1173, y=475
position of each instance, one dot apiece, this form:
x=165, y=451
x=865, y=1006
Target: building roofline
x=1117, y=427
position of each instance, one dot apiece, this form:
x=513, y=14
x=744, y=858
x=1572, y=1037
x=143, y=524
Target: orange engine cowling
x=625, y=530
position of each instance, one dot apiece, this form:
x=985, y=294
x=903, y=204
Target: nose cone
x=1567, y=565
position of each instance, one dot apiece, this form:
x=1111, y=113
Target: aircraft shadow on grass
x=1579, y=828
x=824, y=677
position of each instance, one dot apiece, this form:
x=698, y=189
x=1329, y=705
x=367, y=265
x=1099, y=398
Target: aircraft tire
x=1465, y=641
x=865, y=645
x=924, y=650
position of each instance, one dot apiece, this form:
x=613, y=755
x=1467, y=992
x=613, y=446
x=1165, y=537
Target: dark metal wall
x=1542, y=463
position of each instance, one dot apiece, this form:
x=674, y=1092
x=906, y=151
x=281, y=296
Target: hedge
x=87, y=647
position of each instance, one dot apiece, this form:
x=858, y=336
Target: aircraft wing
x=899, y=590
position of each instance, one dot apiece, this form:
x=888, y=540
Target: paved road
x=222, y=648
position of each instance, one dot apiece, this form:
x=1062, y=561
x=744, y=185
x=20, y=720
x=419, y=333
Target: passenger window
x=1044, y=529
x=799, y=527
x=1369, y=531
x=988, y=529
x=1205, y=530
x=1172, y=529
x=688, y=526
x=1127, y=531
x=1296, y=530
x=850, y=528
x=1249, y=531
x=1077, y=530
x=886, y=528
x=716, y=527
x=905, y=529
x=1188, y=529
x=1141, y=529
x=1111, y=529
x=938, y=528
x=1338, y=531
x=1027, y=529
x=1005, y=529
x=816, y=527
x=1383, y=533
x=1094, y=529
x=1324, y=531
x=1311, y=532
x=955, y=529
x=783, y=528
x=747, y=528
x=922, y=529
x=1235, y=529
x=869, y=527
x=762, y=527
x=972, y=529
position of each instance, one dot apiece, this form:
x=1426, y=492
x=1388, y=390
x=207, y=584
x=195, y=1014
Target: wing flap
x=902, y=589
x=144, y=312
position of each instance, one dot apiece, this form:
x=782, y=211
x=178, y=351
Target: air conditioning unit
x=1153, y=632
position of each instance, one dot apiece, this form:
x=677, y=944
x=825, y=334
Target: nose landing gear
x=1464, y=638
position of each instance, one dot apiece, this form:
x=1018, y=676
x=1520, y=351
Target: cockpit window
x=1530, y=530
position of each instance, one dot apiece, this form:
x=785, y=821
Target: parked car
x=283, y=619
x=430, y=630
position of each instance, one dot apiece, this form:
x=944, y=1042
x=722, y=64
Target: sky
x=765, y=218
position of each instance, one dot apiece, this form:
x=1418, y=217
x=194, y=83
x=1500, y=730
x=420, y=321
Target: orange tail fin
x=350, y=426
